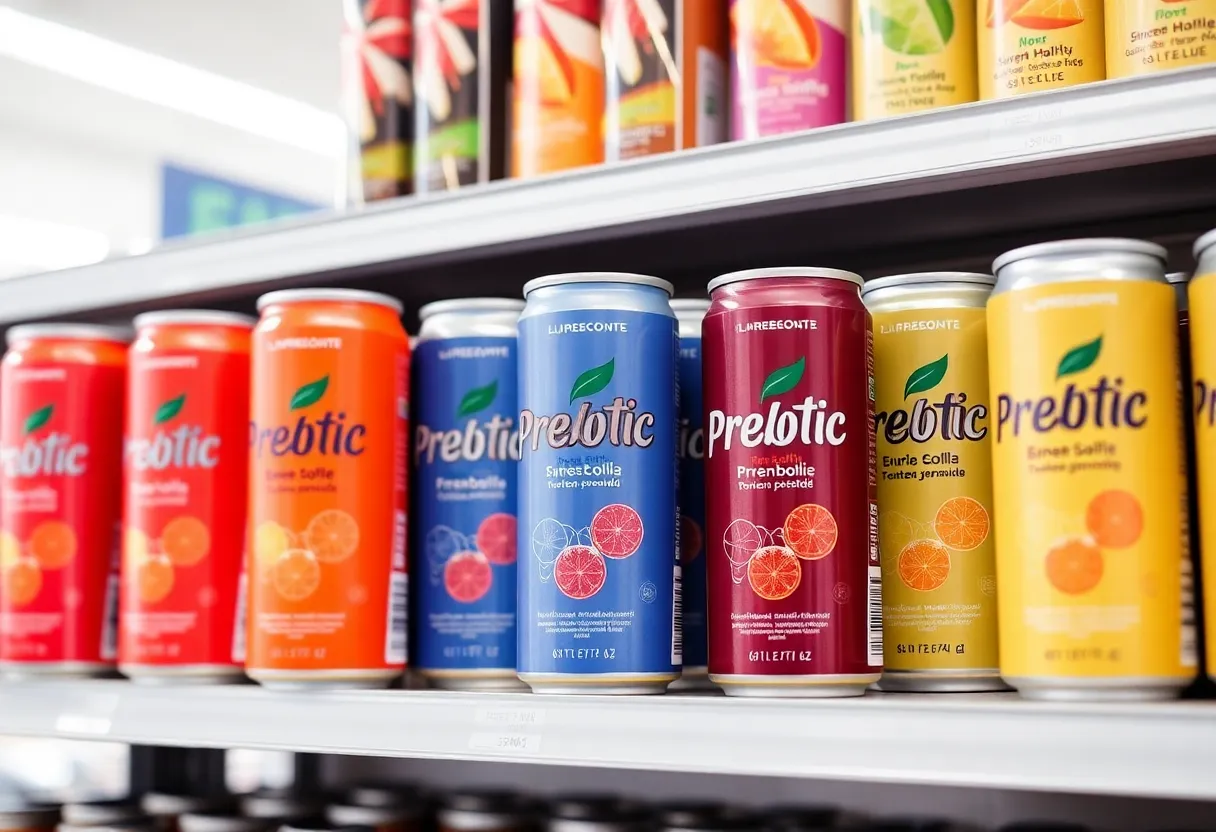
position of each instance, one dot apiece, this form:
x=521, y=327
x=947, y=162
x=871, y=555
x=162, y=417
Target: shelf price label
x=504, y=743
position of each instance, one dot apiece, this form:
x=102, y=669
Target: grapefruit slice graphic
x=580, y=572
x=810, y=530
x=22, y=581
x=496, y=538
x=774, y=573
x=467, y=577
x=923, y=565
x=781, y=33
x=616, y=531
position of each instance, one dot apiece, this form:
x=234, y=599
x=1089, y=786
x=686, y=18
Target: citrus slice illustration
x=580, y=571
x=540, y=59
x=269, y=541
x=774, y=573
x=1074, y=565
x=616, y=531
x=22, y=582
x=810, y=531
x=781, y=33
x=1115, y=519
x=10, y=549
x=923, y=565
x=467, y=577
x=332, y=535
x=154, y=579
x=741, y=540
x=895, y=531
x=1035, y=14
x=53, y=544
x=296, y=575
x=691, y=539
x=135, y=548
x=961, y=523
x=549, y=538
x=496, y=538
x=913, y=27
x=186, y=540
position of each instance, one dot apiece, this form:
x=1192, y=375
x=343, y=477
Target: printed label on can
x=466, y=452
x=327, y=497
x=1033, y=45
x=1146, y=36
x=600, y=590
x=692, y=503
x=559, y=86
x=449, y=84
x=794, y=575
x=1202, y=328
x=1088, y=462
x=62, y=430
x=788, y=65
x=935, y=490
x=912, y=55
x=186, y=467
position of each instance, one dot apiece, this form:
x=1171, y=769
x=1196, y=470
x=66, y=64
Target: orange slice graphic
x=780, y=32
x=22, y=581
x=962, y=523
x=1036, y=14
x=1115, y=519
x=53, y=544
x=186, y=540
x=333, y=536
x=923, y=565
x=296, y=575
x=1074, y=565
x=154, y=579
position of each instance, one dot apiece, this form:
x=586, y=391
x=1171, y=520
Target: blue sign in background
x=194, y=203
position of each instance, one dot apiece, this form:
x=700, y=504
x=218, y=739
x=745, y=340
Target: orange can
x=61, y=422
x=327, y=522
x=186, y=478
x=559, y=86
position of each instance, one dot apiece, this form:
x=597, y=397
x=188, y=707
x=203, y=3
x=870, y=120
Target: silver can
x=280, y=805
x=167, y=808
x=465, y=457
x=595, y=813
x=485, y=810
x=705, y=817
x=212, y=821
x=403, y=817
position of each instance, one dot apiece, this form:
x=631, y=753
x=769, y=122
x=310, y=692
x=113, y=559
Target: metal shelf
x=990, y=740
x=1101, y=127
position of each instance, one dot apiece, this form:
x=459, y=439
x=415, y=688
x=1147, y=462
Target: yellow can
x=1201, y=298
x=934, y=481
x=912, y=55
x=1088, y=473
x=1034, y=45
x=1146, y=36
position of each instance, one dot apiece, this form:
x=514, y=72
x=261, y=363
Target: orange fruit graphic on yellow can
x=1031, y=45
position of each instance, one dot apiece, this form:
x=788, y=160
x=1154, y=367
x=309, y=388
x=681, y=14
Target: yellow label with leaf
x=1033, y=45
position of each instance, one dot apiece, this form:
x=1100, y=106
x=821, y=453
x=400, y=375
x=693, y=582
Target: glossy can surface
x=1147, y=36
x=1201, y=297
x=327, y=560
x=466, y=454
x=62, y=389
x=795, y=586
x=599, y=595
x=1033, y=45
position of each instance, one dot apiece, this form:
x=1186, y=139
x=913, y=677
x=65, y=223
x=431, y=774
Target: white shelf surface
x=989, y=740
x=1096, y=127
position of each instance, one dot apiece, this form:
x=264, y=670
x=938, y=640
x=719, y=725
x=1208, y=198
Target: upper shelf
x=988, y=740
x=1101, y=127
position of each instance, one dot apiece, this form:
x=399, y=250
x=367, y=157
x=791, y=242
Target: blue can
x=465, y=454
x=689, y=314
x=600, y=585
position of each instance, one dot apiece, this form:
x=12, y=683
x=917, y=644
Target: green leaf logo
x=1079, y=358
x=38, y=418
x=169, y=409
x=477, y=399
x=592, y=381
x=926, y=377
x=310, y=393
x=783, y=379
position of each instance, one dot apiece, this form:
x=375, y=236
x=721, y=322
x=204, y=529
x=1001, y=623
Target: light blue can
x=600, y=575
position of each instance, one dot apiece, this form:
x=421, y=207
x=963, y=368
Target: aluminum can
x=484, y=810
x=1201, y=327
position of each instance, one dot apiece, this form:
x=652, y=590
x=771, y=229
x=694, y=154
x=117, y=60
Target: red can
x=61, y=419
x=186, y=482
x=795, y=589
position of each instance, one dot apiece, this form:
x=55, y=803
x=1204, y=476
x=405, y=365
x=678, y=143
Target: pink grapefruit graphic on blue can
x=600, y=575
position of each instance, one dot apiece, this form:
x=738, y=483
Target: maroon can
x=795, y=588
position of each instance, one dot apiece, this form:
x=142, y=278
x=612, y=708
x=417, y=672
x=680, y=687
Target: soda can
x=484, y=810
x=665, y=68
x=935, y=481
x=1088, y=473
x=805, y=819
x=595, y=814
x=400, y=818
x=19, y=816
x=599, y=599
x=466, y=452
x=912, y=55
x=186, y=478
x=795, y=586
x=62, y=388
x=1033, y=45
x=1148, y=36
x=168, y=809
x=84, y=814
x=281, y=805
x=559, y=86
x=689, y=314
x=216, y=821
x=1201, y=297
x=693, y=816
x=462, y=59
x=788, y=65
x=384, y=794
x=327, y=565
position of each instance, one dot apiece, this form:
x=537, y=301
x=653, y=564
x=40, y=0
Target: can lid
x=102, y=812
x=474, y=305
x=1205, y=242
x=70, y=332
x=163, y=803
x=332, y=295
x=1095, y=244
x=783, y=271
x=220, y=822
x=383, y=795
x=193, y=317
x=354, y=815
x=919, y=278
x=690, y=307
x=279, y=804
x=705, y=817
x=598, y=277
x=1178, y=277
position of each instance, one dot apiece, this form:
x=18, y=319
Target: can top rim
x=1205, y=241
x=1178, y=277
x=198, y=317
x=444, y=307
x=333, y=295
x=689, y=305
x=919, y=278
x=70, y=332
x=598, y=277
x=783, y=271
x=1120, y=244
